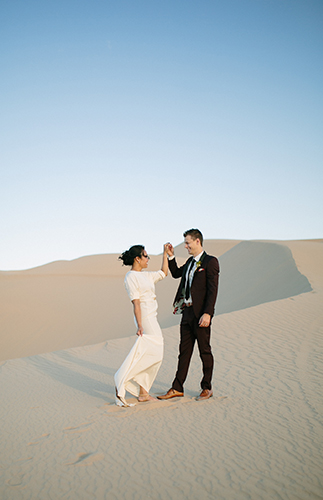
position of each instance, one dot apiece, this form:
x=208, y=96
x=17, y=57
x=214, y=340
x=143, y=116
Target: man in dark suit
x=195, y=299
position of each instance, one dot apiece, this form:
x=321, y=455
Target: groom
x=195, y=299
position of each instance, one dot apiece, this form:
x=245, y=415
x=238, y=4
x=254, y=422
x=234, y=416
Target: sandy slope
x=74, y=303
x=260, y=437
x=69, y=304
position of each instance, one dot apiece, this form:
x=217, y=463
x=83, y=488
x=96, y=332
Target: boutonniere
x=201, y=269
x=198, y=266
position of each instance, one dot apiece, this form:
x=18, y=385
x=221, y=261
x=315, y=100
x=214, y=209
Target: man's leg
x=185, y=349
x=203, y=339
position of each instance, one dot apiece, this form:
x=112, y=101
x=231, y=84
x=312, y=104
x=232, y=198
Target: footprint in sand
x=78, y=428
x=24, y=460
x=85, y=459
x=39, y=440
x=16, y=480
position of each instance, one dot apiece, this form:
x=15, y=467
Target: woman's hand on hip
x=140, y=331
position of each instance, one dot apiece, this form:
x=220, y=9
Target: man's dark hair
x=194, y=234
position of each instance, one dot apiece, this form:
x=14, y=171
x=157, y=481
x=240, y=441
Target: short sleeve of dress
x=158, y=275
x=132, y=287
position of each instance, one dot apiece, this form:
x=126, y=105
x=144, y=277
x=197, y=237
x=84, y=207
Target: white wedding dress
x=143, y=361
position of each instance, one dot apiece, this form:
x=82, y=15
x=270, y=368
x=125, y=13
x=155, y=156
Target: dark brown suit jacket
x=204, y=286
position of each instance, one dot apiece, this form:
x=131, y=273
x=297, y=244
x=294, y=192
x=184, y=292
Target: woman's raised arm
x=164, y=266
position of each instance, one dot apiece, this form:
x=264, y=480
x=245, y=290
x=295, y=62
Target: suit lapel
x=201, y=260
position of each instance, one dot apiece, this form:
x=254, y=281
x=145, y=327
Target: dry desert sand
x=67, y=326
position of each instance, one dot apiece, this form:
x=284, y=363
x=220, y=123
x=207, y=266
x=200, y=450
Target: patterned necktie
x=187, y=287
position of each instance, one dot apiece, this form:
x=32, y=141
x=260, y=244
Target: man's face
x=192, y=246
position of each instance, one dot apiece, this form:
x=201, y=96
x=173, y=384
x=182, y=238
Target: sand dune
x=260, y=437
x=75, y=303
x=72, y=303
x=255, y=272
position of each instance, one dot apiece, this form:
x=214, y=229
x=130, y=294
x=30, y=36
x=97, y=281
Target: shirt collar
x=197, y=258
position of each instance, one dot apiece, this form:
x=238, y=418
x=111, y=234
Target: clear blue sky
x=129, y=121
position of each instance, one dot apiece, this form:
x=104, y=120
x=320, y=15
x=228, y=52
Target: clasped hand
x=169, y=249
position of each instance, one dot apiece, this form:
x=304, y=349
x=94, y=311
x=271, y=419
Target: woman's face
x=144, y=259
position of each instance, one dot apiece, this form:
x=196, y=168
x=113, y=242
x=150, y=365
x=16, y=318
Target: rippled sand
x=259, y=437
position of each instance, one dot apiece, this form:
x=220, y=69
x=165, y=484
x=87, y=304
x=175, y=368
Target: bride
x=138, y=371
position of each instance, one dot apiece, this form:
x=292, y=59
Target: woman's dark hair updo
x=129, y=256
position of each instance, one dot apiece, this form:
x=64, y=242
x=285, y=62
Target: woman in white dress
x=138, y=371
